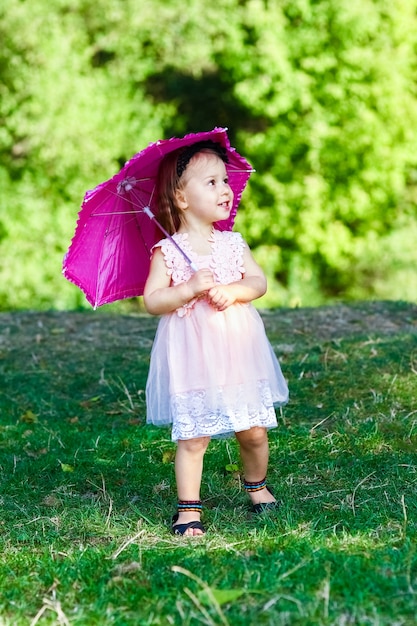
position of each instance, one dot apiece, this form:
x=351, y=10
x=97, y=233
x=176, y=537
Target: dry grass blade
x=295, y=568
x=356, y=488
x=321, y=422
x=54, y=606
x=207, y=589
x=404, y=508
x=200, y=607
x=126, y=544
x=109, y=512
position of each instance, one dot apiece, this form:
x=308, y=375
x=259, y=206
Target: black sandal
x=181, y=529
x=187, y=505
x=261, y=507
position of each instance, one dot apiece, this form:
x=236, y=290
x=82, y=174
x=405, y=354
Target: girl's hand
x=221, y=297
x=160, y=297
x=252, y=285
x=201, y=282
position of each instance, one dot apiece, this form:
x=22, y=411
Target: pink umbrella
x=109, y=255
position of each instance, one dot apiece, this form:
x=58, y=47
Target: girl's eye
x=226, y=181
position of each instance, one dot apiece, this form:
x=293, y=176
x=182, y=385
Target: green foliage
x=338, y=117
x=320, y=96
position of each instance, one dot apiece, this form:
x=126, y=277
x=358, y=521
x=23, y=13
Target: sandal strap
x=266, y=506
x=181, y=529
x=256, y=486
x=261, y=507
x=189, y=505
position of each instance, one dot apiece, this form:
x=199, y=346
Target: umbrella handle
x=149, y=213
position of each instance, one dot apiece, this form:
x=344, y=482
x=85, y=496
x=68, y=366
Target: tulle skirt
x=213, y=373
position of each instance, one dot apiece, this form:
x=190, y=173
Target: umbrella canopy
x=109, y=255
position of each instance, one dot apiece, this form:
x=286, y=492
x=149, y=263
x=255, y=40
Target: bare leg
x=188, y=472
x=254, y=452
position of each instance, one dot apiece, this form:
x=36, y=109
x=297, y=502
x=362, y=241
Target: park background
x=320, y=96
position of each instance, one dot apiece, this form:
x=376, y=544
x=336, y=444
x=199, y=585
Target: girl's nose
x=227, y=189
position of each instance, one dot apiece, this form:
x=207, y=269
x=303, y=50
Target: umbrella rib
x=149, y=213
x=139, y=210
x=118, y=213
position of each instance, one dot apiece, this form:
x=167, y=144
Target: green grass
x=87, y=489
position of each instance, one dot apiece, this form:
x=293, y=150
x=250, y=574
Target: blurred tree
x=318, y=94
x=334, y=83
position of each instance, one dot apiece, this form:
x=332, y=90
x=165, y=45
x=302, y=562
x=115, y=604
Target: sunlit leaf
x=222, y=596
x=66, y=468
x=168, y=456
x=29, y=417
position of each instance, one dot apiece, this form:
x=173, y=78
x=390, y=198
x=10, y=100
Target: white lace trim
x=193, y=418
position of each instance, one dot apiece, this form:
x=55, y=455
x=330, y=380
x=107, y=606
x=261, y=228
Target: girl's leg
x=254, y=452
x=188, y=473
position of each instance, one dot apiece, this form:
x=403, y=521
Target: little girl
x=212, y=370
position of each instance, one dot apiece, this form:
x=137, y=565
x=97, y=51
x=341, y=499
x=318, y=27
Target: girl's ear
x=181, y=199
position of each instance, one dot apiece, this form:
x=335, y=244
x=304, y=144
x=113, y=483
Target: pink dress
x=212, y=373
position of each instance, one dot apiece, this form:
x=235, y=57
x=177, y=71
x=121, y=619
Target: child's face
x=205, y=194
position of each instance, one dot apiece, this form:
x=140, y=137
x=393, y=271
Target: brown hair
x=167, y=183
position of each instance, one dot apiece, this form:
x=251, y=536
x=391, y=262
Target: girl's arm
x=161, y=297
x=251, y=286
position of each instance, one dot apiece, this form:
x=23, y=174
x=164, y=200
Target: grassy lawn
x=87, y=489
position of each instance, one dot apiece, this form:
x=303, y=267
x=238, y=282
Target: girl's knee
x=255, y=436
x=194, y=446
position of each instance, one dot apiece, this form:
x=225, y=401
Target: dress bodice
x=225, y=259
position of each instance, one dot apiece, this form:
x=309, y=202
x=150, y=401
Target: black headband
x=186, y=156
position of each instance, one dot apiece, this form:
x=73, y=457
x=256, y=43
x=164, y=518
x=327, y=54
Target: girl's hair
x=168, y=181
